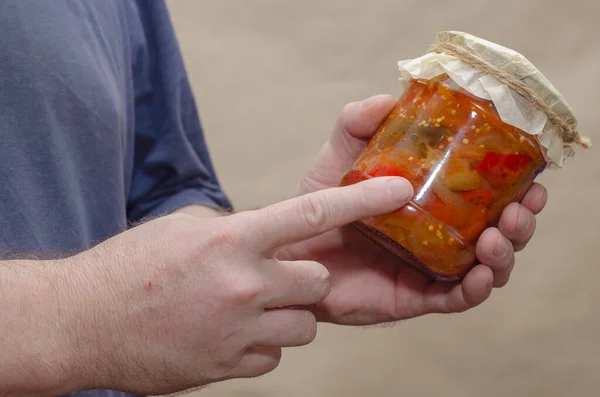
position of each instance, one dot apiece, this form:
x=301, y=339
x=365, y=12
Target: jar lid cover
x=522, y=95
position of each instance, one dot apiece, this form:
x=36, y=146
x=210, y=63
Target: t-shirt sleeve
x=172, y=163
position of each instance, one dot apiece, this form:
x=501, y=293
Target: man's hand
x=368, y=285
x=177, y=302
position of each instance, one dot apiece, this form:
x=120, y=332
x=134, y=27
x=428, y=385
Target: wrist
x=75, y=312
x=38, y=355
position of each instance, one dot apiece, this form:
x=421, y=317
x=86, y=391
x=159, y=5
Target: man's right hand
x=180, y=302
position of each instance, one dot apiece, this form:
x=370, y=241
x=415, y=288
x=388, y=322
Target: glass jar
x=466, y=165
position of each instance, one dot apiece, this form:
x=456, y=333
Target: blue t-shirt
x=98, y=125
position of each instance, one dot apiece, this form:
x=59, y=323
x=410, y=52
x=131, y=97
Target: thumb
x=357, y=123
x=315, y=213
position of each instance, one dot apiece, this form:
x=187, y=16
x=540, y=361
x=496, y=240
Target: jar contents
x=466, y=165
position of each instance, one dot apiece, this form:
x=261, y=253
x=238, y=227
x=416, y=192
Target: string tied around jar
x=567, y=127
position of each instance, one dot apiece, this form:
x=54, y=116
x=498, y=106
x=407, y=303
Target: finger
x=496, y=251
x=517, y=223
x=535, y=199
x=358, y=122
x=295, y=283
x=285, y=328
x=312, y=214
x=474, y=289
x=361, y=119
x=257, y=361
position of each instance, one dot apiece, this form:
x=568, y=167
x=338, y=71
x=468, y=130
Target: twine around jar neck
x=567, y=127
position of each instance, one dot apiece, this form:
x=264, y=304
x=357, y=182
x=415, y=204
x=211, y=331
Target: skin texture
x=370, y=286
x=201, y=211
x=178, y=302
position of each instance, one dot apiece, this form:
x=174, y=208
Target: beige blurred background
x=270, y=78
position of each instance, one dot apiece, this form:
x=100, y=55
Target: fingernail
x=544, y=197
x=489, y=287
x=523, y=220
x=501, y=247
x=399, y=189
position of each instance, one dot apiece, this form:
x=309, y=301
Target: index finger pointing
x=315, y=213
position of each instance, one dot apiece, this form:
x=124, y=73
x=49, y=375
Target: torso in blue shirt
x=98, y=125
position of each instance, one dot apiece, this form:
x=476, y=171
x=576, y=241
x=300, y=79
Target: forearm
x=37, y=351
x=202, y=211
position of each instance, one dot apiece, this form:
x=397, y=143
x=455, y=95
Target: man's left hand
x=368, y=284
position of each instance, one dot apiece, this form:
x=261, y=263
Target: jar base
x=402, y=253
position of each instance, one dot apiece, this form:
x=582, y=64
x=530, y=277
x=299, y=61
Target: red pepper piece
x=454, y=216
x=501, y=169
x=353, y=177
x=387, y=170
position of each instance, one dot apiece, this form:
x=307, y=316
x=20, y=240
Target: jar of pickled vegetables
x=475, y=125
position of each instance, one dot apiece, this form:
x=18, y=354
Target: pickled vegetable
x=465, y=165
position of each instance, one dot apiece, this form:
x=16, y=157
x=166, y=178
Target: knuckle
x=211, y=239
x=314, y=213
x=244, y=292
x=228, y=365
x=224, y=236
x=225, y=363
